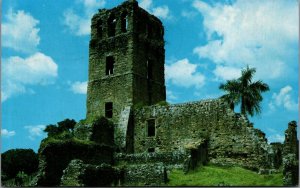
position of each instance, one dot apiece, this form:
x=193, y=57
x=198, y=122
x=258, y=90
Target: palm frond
x=244, y=91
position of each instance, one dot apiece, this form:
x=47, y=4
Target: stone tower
x=126, y=61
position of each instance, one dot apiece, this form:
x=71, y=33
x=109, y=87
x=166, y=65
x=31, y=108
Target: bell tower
x=126, y=60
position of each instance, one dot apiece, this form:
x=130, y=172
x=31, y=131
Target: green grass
x=226, y=176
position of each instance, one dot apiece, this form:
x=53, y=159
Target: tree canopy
x=17, y=160
x=66, y=125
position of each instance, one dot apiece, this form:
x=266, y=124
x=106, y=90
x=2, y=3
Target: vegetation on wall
x=66, y=125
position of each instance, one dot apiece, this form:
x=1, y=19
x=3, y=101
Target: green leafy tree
x=52, y=130
x=243, y=90
x=16, y=160
x=66, y=125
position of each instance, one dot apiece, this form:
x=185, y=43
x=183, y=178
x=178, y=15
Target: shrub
x=16, y=160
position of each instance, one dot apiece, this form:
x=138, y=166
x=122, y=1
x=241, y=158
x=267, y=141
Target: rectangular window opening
x=110, y=65
x=108, y=110
x=112, y=22
x=124, y=22
x=151, y=127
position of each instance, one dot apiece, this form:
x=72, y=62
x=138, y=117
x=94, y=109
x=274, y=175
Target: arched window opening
x=124, y=22
x=112, y=22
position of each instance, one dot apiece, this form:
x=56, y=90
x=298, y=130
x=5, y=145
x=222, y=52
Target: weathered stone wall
x=231, y=137
x=169, y=159
x=56, y=156
x=277, y=154
x=151, y=174
x=291, y=156
x=137, y=47
x=79, y=174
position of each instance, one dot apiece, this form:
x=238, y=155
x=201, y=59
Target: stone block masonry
x=126, y=61
x=231, y=137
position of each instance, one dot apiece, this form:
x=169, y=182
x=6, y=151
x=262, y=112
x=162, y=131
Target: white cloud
x=18, y=73
x=283, y=98
x=159, y=11
x=35, y=131
x=20, y=31
x=259, y=33
x=145, y=4
x=183, y=73
x=6, y=133
x=79, y=87
x=162, y=12
x=92, y=5
x=81, y=25
x=275, y=138
x=226, y=73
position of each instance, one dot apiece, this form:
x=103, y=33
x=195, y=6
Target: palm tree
x=244, y=91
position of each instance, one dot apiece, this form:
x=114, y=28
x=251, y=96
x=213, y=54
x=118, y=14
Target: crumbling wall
x=169, y=159
x=291, y=156
x=231, y=137
x=277, y=154
x=147, y=174
x=56, y=156
x=79, y=174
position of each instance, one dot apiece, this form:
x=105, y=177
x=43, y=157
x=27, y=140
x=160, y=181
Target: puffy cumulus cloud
x=35, y=131
x=80, y=24
x=20, y=31
x=18, y=73
x=79, y=87
x=183, y=73
x=259, y=33
x=226, y=73
x=6, y=133
x=159, y=11
x=92, y=5
x=283, y=98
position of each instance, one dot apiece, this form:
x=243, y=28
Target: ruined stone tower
x=126, y=61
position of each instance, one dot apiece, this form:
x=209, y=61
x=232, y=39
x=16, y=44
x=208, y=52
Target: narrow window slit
x=151, y=127
x=108, y=110
x=110, y=65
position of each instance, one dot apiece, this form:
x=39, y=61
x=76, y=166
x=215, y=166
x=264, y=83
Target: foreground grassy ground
x=225, y=176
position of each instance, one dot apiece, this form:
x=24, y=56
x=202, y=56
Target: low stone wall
x=79, y=174
x=152, y=174
x=168, y=158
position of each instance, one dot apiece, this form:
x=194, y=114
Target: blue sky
x=45, y=58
